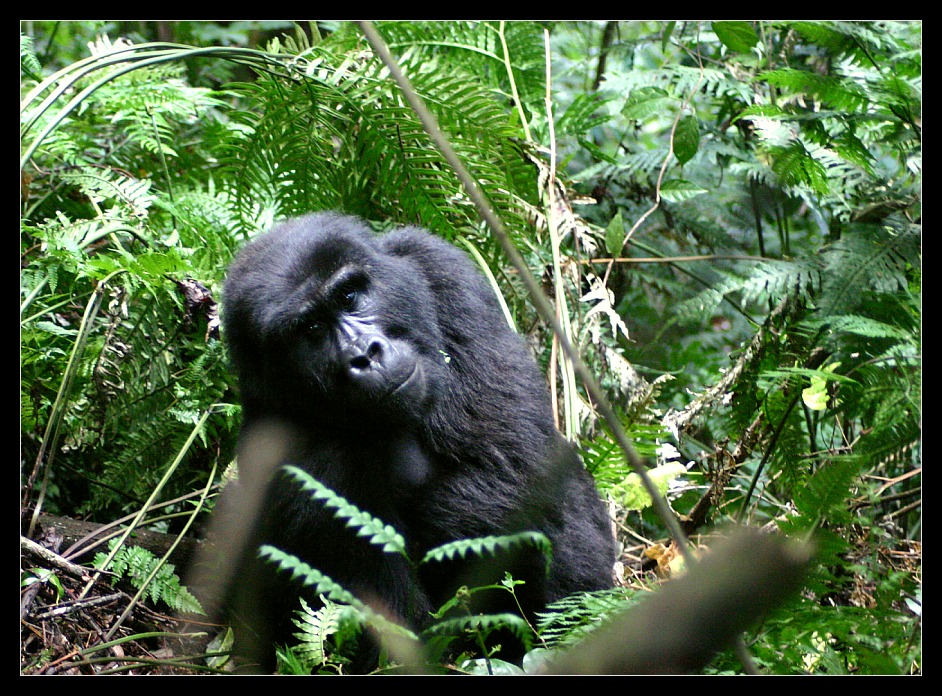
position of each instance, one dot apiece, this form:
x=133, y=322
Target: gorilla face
x=316, y=316
x=344, y=349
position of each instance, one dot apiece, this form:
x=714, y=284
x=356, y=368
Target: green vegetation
x=726, y=215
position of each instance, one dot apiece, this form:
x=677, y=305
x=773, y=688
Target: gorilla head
x=317, y=331
x=404, y=390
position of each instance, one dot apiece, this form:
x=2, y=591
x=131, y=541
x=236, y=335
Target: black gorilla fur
x=389, y=360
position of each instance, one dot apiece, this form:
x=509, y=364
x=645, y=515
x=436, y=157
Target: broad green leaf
x=675, y=190
x=816, y=396
x=644, y=102
x=615, y=235
x=736, y=36
x=631, y=491
x=686, y=139
x=666, y=34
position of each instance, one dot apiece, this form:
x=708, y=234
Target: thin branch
x=608, y=38
x=673, y=259
x=667, y=159
x=52, y=558
x=540, y=302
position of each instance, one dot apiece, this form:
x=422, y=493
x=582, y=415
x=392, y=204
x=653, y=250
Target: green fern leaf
x=137, y=564
x=317, y=627
x=568, y=620
x=585, y=113
x=795, y=166
x=871, y=328
x=482, y=624
x=835, y=92
x=775, y=279
x=830, y=487
x=101, y=185
x=824, y=34
x=490, y=545
x=326, y=586
x=866, y=259
x=770, y=280
x=28, y=61
x=858, y=41
x=366, y=525
x=849, y=146
x=309, y=576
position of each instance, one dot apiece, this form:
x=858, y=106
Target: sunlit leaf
x=736, y=36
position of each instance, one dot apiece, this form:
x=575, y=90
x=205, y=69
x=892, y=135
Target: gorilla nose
x=367, y=353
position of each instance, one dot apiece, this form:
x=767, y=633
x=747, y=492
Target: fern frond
x=830, y=34
x=827, y=489
x=474, y=48
x=204, y=220
x=866, y=259
x=326, y=586
x=29, y=64
x=137, y=564
x=366, y=525
x=868, y=327
x=490, y=545
x=569, y=619
x=150, y=103
x=101, y=185
x=680, y=81
x=482, y=624
x=769, y=281
x=774, y=279
x=834, y=92
x=317, y=627
x=586, y=112
x=698, y=307
x=796, y=167
x=341, y=137
x=858, y=41
x=309, y=576
x=644, y=164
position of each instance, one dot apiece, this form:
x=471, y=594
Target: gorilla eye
x=350, y=292
x=349, y=300
x=312, y=325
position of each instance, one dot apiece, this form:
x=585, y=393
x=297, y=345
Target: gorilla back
x=389, y=362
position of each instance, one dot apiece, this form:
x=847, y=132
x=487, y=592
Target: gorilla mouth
x=414, y=376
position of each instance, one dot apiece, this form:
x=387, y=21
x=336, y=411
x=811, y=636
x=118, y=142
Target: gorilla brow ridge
x=315, y=295
x=350, y=276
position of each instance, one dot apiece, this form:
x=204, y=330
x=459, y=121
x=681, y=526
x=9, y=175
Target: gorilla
x=388, y=360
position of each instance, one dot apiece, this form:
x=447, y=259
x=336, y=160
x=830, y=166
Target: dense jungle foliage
x=726, y=216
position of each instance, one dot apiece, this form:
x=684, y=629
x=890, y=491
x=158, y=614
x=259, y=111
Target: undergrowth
x=727, y=215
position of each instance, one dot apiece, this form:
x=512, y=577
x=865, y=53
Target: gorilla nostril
x=361, y=362
x=373, y=353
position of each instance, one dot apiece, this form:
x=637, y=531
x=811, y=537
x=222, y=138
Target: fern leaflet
x=490, y=545
x=379, y=534
x=483, y=624
x=325, y=585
